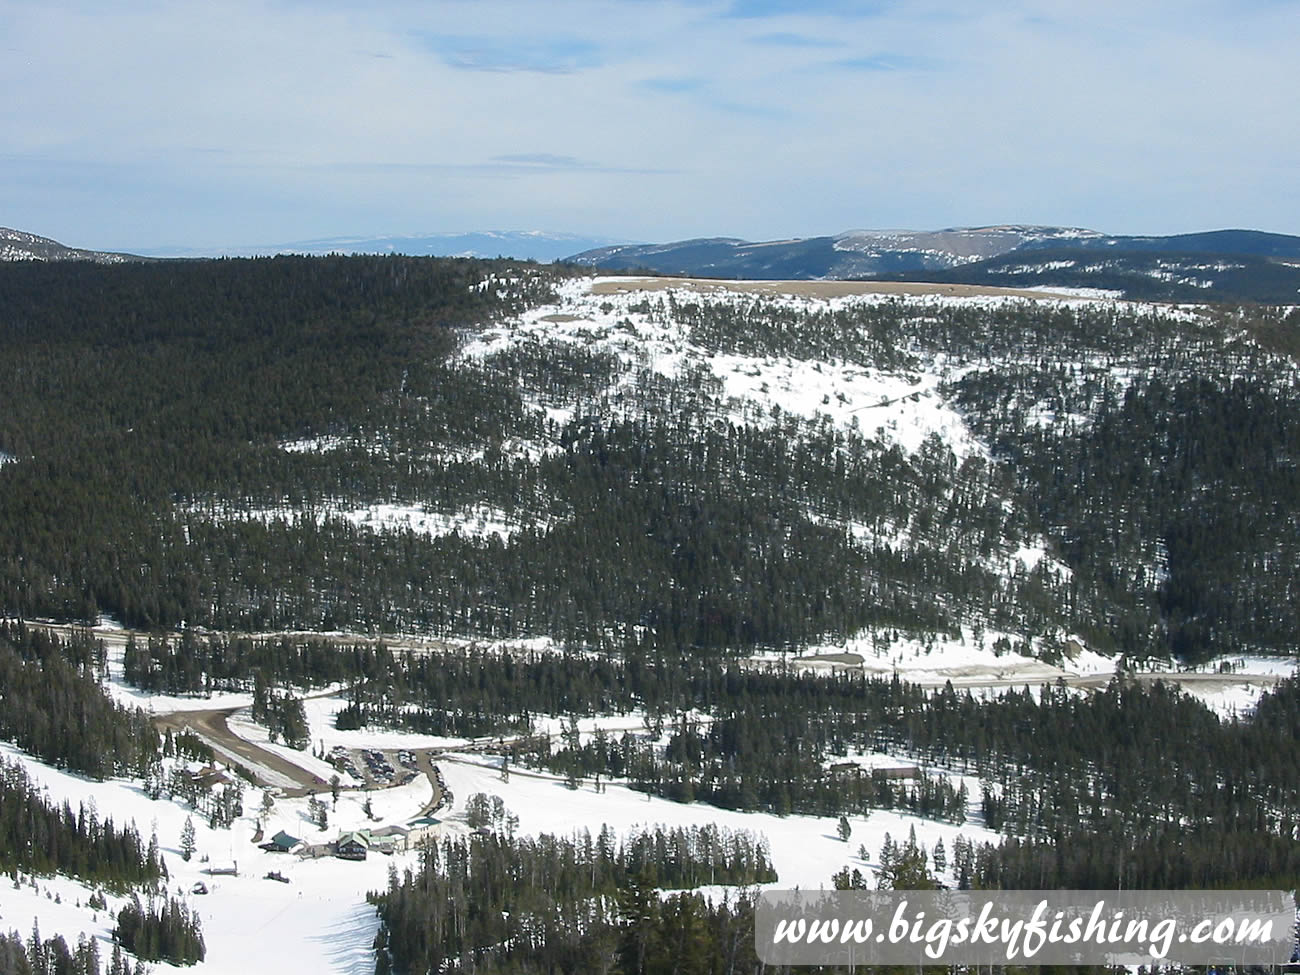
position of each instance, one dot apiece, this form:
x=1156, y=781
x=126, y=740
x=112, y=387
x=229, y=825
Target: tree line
x=38, y=837
x=52, y=705
x=162, y=929
x=497, y=903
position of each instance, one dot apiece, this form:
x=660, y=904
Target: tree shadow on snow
x=349, y=941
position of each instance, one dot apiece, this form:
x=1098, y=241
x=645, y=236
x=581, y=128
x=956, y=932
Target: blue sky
x=139, y=124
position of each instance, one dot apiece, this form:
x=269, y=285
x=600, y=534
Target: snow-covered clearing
x=1228, y=699
x=476, y=521
x=1099, y=293
x=321, y=711
x=1225, y=684
x=312, y=445
x=319, y=921
x=115, y=638
x=903, y=408
x=805, y=850
x=970, y=660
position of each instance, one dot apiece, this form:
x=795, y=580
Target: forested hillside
x=558, y=501
x=459, y=448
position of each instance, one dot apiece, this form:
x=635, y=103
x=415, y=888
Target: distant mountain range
x=524, y=245
x=1222, y=265
x=855, y=254
x=1230, y=265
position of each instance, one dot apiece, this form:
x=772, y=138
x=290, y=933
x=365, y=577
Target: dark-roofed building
x=208, y=777
x=281, y=842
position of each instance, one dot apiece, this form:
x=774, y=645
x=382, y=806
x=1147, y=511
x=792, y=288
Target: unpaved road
x=211, y=726
x=1016, y=674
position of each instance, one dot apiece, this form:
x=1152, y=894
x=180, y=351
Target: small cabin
x=281, y=842
x=208, y=776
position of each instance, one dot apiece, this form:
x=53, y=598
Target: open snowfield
x=968, y=661
x=805, y=849
x=319, y=922
x=605, y=314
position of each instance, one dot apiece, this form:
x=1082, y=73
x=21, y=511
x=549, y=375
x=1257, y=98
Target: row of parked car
x=377, y=764
x=381, y=769
x=341, y=759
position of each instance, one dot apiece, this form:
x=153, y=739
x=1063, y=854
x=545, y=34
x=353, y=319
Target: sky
x=139, y=124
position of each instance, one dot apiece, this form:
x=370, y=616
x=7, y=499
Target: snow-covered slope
x=18, y=245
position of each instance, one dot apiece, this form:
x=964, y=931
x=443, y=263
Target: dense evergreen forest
x=160, y=930
x=53, y=956
x=147, y=410
x=52, y=705
x=38, y=838
x=1193, y=276
x=205, y=449
x=500, y=904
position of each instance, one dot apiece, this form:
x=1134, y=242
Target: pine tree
x=187, y=839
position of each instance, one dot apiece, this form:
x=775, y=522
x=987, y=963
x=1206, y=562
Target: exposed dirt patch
x=851, y=659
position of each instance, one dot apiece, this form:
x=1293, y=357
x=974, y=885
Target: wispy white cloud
x=886, y=62
x=778, y=8
x=555, y=55
x=790, y=39
x=674, y=85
